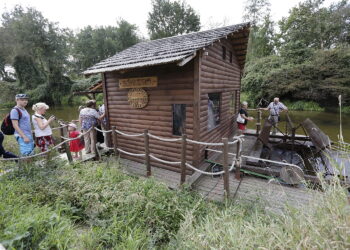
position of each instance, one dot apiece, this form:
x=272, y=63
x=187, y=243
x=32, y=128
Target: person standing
x=21, y=123
x=102, y=113
x=88, y=118
x=275, y=108
x=42, y=129
x=243, y=118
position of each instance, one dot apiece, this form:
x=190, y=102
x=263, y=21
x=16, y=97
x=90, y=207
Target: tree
x=314, y=26
x=38, y=51
x=171, y=18
x=255, y=11
x=261, y=37
x=93, y=45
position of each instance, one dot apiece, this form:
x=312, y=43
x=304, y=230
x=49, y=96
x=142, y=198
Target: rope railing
x=164, y=139
x=103, y=131
x=166, y=162
x=129, y=135
x=232, y=167
x=59, y=127
x=46, y=152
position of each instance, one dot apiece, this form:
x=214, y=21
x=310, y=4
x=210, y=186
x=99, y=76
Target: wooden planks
x=175, y=86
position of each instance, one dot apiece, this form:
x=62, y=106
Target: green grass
x=95, y=206
x=89, y=206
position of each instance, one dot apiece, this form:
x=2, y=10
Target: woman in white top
x=42, y=129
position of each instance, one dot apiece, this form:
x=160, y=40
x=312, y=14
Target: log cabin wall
x=218, y=75
x=175, y=86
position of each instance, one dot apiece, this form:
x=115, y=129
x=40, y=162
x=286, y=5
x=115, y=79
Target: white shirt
x=40, y=132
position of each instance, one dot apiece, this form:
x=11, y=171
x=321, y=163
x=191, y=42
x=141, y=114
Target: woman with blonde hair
x=42, y=129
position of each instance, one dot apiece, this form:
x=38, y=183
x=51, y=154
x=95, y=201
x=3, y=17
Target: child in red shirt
x=75, y=145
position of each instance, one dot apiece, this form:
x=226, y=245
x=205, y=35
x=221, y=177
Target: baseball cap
x=22, y=96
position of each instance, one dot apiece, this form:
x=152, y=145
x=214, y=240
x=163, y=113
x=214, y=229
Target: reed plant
x=323, y=224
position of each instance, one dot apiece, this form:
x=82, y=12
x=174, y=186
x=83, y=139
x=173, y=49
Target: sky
x=76, y=14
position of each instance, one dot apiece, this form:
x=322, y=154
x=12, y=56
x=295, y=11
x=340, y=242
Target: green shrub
x=304, y=106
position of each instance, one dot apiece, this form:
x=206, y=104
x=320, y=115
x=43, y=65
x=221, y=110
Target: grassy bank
x=95, y=206
x=89, y=206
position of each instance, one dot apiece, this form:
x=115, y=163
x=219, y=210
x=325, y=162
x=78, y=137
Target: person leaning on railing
x=275, y=108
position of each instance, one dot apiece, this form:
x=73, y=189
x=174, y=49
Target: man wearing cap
x=21, y=123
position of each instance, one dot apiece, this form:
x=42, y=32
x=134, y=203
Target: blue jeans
x=25, y=148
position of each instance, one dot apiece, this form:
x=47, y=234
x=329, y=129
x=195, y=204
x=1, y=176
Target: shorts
x=25, y=148
x=43, y=142
x=241, y=126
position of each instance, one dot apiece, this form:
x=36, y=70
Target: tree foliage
x=93, y=45
x=38, y=51
x=314, y=26
x=261, y=37
x=308, y=59
x=321, y=78
x=171, y=18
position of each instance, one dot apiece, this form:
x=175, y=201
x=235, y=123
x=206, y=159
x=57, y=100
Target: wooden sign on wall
x=138, y=82
x=137, y=98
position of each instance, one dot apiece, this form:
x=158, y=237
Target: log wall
x=175, y=86
x=217, y=76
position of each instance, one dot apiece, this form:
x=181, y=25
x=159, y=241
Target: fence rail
x=147, y=155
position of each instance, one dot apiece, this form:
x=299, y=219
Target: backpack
x=6, y=126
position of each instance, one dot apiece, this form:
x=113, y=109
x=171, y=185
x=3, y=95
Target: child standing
x=75, y=145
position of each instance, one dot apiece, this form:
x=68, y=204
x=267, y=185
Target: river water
x=328, y=122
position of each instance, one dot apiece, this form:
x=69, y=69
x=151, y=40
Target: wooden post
x=66, y=145
x=97, y=156
x=258, y=122
x=147, y=159
x=225, y=165
x=238, y=163
x=183, y=159
x=62, y=133
x=115, y=141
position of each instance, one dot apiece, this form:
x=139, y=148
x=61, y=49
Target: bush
x=304, y=106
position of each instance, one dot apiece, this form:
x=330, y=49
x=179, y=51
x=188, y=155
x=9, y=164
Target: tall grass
x=89, y=206
x=323, y=224
x=95, y=206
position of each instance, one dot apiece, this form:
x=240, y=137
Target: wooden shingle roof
x=174, y=49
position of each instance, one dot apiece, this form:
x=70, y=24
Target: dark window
x=213, y=110
x=179, y=119
x=223, y=52
x=231, y=56
x=233, y=101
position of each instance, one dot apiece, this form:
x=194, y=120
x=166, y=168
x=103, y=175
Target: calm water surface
x=328, y=122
